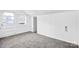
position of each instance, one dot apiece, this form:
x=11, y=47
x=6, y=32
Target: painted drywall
x=16, y=27
x=78, y=25
x=53, y=25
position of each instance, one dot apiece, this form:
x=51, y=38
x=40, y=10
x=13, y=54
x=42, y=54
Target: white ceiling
x=43, y=12
x=34, y=12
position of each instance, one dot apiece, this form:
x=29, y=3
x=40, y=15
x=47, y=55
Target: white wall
x=78, y=25
x=53, y=25
x=15, y=28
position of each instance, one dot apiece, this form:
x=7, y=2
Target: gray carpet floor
x=33, y=40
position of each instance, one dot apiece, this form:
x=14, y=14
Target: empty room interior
x=39, y=28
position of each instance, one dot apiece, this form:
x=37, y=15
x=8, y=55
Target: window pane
x=8, y=18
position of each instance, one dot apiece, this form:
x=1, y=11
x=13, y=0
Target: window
x=22, y=19
x=8, y=18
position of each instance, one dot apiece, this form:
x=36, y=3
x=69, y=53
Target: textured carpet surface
x=33, y=40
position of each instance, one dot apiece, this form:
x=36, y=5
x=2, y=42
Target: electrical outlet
x=66, y=28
